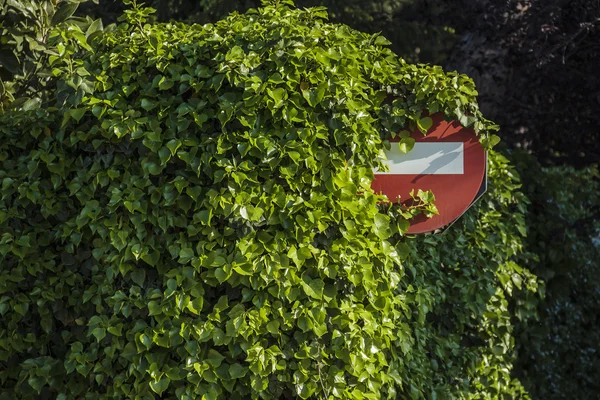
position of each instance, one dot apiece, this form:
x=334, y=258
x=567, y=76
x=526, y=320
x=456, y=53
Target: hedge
x=559, y=355
x=191, y=217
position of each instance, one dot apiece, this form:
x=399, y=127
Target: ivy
x=191, y=217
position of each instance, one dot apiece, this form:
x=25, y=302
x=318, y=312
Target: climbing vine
x=191, y=216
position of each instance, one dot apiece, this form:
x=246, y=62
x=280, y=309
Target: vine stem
x=325, y=391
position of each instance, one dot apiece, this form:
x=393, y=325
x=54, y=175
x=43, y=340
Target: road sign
x=449, y=161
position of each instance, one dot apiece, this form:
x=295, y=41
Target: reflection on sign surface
x=441, y=158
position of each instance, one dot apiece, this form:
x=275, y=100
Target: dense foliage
x=418, y=29
x=534, y=62
x=29, y=40
x=559, y=356
x=190, y=216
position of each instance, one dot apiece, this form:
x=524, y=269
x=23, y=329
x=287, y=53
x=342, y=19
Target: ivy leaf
x=406, y=144
x=382, y=226
x=424, y=124
x=160, y=385
x=491, y=141
x=165, y=83
x=494, y=140
x=138, y=276
x=186, y=254
x=237, y=371
x=426, y=196
x=279, y=95
x=221, y=275
x=37, y=383
x=317, y=286
x=77, y=113
x=314, y=95
x=154, y=308
x=403, y=225
x=214, y=358
x=313, y=287
x=21, y=308
x=99, y=333
x=204, y=216
x=173, y=145
x=147, y=104
x=273, y=327
x=403, y=250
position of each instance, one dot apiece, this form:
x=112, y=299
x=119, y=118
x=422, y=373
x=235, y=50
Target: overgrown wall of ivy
x=191, y=217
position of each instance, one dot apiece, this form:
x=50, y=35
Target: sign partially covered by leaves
x=198, y=222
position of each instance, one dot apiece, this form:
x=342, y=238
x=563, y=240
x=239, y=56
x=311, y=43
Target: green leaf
x=65, y=11
x=314, y=95
x=424, y=124
x=99, y=333
x=491, y=141
x=236, y=53
x=21, y=308
x=426, y=196
x=147, y=104
x=214, y=358
x=403, y=250
x=382, y=226
x=221, y=275
x=31, y=104
x=382, y=41
x=172, y=284
x=406, y=144
x=279, y=95
x=94, y=27
x=37, y=383
x=403, y=225
x=317, y=286
x=186, y=254
x=116, y=330
x=160, y=385
x=273, y=327
x=204, y=216
x=237, y=371
x=77, y=113
x=154, y=308
x=165, y=83
x=154, y=169
x=173, y=145
x=164, y=154
x=151, y=258
x=138, y=276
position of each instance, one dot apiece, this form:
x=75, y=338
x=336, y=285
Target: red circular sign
x=449, y=161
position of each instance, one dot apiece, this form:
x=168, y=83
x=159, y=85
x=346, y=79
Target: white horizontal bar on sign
x=440, y=158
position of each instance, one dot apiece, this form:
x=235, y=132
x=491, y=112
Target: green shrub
x=559, y=356
x=28, y=38
x=418, y=29
x=192, y=218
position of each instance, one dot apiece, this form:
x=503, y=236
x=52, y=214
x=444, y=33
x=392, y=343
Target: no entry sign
x=449, y=161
